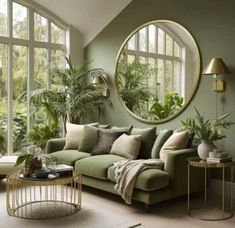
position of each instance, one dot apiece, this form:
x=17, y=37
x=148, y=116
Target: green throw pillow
x=148, y=136
x=89, y=137
x=126, y=130
x=160, y=140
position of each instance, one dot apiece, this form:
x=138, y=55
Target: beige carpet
x=90, y=216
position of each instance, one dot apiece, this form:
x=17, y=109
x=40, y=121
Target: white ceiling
x=87, y=16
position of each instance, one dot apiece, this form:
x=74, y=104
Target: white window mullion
x=49, y=53
x=9, y=84
x=30, y=78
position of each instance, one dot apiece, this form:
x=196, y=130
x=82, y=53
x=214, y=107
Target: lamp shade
x=215, y=67
x=98, y=80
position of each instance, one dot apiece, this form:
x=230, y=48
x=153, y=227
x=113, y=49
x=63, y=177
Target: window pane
x=176, y=85
x=57, y=61
x=160, y=41
x=152, y=38
x=3, y=18
x=160, y=79
x=131, y=45
x=19, y=105
x=40, y=68
x=130, y=58
x=40, y=80
x=142, y=59
x=142, y=39
x=169, y=45
x=40, y=28
x=3, y=98
x=176, y=50
x=168, y=77
x=20, y=21
x=57, y=34
x=152, y=77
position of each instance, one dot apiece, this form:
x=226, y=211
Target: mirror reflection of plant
x=73, y=103
x=132, y=84
x=172, y=103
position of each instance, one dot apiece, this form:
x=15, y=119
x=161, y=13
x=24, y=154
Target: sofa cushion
x=104, y=142
x=127, y=146
x=147, y=180
x=97, y=166
x=74, y=135
x=89, y=137
x=177, y=141
x=69, y=157
x=148, y=136
x=159, y=142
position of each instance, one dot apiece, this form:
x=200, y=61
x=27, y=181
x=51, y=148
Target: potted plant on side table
x=206, y=132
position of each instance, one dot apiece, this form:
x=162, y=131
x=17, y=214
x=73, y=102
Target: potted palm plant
x=206, y=132
x=72, y=103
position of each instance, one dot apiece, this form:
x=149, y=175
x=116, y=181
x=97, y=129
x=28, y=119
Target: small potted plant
x=206, y=132
x=33, y=162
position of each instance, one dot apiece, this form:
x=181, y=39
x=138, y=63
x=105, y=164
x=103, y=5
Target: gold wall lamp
x=217, y=67
x=99, y=80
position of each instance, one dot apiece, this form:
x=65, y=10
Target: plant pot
x=204, y=148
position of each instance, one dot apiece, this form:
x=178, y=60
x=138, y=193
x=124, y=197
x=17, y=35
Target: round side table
x=221, y=213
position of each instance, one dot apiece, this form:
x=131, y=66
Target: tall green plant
x=77, y=98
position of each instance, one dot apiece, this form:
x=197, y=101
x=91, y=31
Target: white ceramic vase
x=204, y=148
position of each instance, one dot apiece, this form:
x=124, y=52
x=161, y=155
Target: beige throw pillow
x=127, y=146
x=177, y=141
x=74, y=135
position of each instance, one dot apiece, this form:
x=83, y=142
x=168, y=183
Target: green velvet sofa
x=152, y=185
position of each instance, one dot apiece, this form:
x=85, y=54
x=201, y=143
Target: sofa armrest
x=54, y=145
x=176, y=166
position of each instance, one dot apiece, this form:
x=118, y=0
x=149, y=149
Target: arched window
x=160, y=48
x=31, y=44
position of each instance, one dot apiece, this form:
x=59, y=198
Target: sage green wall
x=211, y=22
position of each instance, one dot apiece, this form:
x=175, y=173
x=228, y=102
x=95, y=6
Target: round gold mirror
x=157, y=71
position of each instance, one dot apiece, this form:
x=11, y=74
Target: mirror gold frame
x=195, y=86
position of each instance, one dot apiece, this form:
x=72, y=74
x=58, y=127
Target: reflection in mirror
x=157, y=71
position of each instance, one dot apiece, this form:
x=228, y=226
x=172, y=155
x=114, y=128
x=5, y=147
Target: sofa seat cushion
x=97, y=166
x=148, y=180
x=69, y=157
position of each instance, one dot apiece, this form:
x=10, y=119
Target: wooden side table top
x=197, y=162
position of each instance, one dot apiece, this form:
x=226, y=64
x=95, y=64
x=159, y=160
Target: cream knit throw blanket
x=126, y=172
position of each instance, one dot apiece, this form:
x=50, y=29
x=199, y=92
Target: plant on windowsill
x=206, y=132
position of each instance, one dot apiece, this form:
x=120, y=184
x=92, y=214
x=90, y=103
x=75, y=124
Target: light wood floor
x=167, y=214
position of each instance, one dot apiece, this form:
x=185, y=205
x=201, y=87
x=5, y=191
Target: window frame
x=30, y=43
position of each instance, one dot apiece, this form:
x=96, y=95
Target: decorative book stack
x=219, y=157
x=62, y=170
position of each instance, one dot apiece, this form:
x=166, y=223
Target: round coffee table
x=52, y=197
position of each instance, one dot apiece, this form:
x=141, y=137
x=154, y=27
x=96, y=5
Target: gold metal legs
x=43, y=199
x=222, y=213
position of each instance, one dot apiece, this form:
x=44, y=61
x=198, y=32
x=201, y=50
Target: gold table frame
x=43, y=199
x=198, y=163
